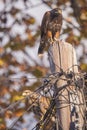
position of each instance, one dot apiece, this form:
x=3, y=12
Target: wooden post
x=62, y=55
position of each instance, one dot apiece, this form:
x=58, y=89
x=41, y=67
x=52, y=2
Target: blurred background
x=20, y=66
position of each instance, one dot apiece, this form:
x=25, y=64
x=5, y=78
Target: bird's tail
x=40, y=52
x=41, y=49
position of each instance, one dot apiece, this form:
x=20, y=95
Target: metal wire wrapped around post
x=62, y=58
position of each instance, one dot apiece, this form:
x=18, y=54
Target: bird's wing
x=44, y=24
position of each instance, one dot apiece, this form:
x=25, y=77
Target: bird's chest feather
x=52, y=25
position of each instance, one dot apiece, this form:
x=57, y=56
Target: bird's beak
x=60, y=11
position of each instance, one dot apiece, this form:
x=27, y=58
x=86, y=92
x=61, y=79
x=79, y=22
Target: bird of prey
x=50, y=29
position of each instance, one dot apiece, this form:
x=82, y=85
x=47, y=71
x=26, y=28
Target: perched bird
x=50, y=29
x=37, y=100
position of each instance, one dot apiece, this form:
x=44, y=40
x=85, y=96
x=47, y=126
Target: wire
x=59, y=91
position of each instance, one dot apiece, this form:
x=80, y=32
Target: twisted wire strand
x=42, y=88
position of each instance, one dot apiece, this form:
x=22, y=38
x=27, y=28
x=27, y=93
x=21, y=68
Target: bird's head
x=56, y=12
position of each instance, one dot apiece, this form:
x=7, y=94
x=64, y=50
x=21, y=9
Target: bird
x=35, y=99
x=50, y=29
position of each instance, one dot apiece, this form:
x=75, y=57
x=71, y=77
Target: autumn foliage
x=19, y=31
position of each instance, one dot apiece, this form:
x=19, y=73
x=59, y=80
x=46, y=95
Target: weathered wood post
x=62, y=55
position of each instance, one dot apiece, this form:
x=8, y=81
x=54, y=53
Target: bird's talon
x=50, y=41
x=55, y=39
